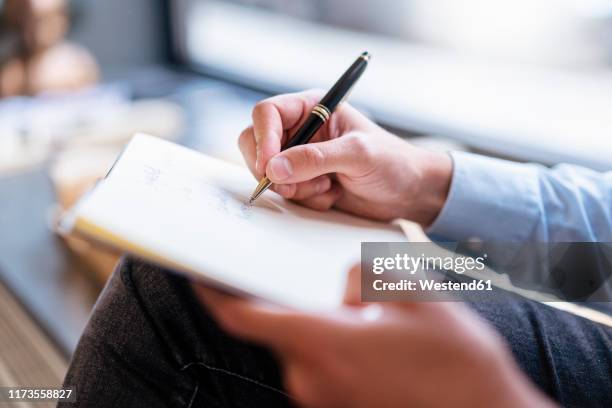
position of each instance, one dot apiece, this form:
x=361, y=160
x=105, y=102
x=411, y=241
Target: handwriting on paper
x=207, y=195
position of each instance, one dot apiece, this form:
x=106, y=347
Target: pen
x=321, y=113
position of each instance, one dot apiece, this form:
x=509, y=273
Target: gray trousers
x=150, y=343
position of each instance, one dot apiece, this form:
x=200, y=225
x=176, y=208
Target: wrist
x=435, y=170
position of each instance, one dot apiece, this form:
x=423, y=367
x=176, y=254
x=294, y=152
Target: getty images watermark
x=476, y=271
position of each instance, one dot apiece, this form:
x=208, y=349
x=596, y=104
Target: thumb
x=349, y=154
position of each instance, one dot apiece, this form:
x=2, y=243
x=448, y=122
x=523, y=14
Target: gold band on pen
x=322, y=112
x=314, y=112
x=324, y=109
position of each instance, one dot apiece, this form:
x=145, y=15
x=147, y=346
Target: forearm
x=498, y=200
x=489, y=200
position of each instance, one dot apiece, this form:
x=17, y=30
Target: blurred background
x=527, y=80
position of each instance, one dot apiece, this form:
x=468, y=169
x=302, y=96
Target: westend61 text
x=431, y=285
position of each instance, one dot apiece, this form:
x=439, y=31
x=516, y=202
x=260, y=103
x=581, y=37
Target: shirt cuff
x=489, y=200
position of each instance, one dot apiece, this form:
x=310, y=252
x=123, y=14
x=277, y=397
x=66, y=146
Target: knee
x=138, y=276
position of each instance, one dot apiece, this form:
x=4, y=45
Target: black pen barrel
x=343, y=86
x=306, y=131
x=323, y=110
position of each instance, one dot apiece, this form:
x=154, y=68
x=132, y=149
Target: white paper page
x=188, y=209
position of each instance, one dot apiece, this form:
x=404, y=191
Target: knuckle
x=314, y=155
x=361, y=147
x=261, y=107
x=244, y=137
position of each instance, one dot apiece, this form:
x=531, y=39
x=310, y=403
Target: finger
x=286, y=190
x=307, y=189
x=352, y=294
x=261, y=322
x=246, y=144
x=350, y=154
x=323, y=202
x=272, y=116
x=312, y=188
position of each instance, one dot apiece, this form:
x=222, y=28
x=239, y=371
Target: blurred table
x=34, y=263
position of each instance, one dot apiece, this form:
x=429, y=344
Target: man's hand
x=351, y=163
x=382, y=355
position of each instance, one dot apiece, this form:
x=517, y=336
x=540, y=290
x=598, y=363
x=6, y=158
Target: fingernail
x=280, y=168
x=283, y=189
x=323, y=185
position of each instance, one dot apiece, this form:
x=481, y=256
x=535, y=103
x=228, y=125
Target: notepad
x=186, y=211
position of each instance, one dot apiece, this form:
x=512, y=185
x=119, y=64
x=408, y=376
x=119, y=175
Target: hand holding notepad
x=187, y=211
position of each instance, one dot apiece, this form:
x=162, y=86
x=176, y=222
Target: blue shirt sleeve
x=498, y=200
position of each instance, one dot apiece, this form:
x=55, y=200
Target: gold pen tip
x=263, y=185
